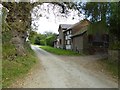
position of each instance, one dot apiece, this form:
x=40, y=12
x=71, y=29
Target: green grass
x=11, y=70
x=59, y=51
x=111, y=67
x=14, y=67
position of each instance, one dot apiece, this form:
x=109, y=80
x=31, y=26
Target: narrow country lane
x=52, y=72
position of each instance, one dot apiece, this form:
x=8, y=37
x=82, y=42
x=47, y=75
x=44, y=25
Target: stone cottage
x=79, y=36
x=83, y=36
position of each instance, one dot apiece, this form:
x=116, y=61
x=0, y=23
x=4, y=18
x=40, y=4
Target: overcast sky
x=51, y=18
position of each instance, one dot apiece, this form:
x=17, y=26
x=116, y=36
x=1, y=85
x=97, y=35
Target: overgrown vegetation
x=17, y=55
x=110, y=66
x=59, y=51
x=114, y=45
x=12, y=70
x=13, y=65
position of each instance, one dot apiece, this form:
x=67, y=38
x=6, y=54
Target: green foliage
x=6, y=36
x=110, y=66
x=37, y=40
x=42, y=42
x=13, y=65
x=97, y=10
x=114, y=45
x=114, y=24
x=115, y=20
x=32, y=35
x=6, y=50
x=50, y=40
x=42, y=39
x=13, y=69
x=59, y=51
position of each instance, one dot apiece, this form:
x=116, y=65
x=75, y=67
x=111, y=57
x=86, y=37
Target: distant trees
x=50, y=39
x=42, y=39
x=36, y=38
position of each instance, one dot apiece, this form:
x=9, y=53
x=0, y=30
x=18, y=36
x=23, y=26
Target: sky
x=51, y=17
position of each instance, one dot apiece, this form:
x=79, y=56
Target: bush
x=50, y=40
x=114, y=45
x=42, y=42
x=37, y=41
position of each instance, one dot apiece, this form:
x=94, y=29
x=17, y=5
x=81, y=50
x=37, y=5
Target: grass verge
x=58, y=51
x=13, y=69
x=111, y=67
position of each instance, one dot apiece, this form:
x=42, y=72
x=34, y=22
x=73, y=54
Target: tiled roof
x=79, y=33
x=74, y=25
x=65, y=26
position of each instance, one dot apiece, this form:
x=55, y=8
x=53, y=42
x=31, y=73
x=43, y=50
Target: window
x=67, y=32
x=68, y=42
x=66, y=37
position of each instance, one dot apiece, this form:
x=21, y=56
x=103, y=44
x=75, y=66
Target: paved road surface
x=53, y=72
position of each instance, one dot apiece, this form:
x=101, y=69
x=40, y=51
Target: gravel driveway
x=54, y=71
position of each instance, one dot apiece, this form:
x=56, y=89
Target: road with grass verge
x=55, y=71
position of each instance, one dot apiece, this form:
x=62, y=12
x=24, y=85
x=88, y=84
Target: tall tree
x=96, y=10
x=114, y=22
x=18, y=17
